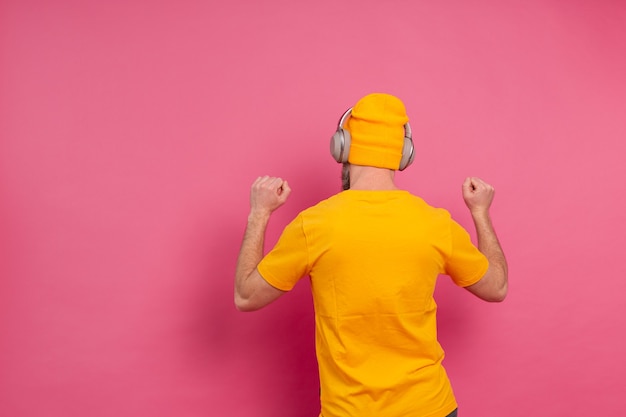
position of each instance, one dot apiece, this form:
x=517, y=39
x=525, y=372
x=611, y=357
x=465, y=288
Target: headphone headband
x=344, y=117
x=407, y=127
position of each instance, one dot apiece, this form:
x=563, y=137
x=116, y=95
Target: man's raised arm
x=493, y=286
x=252, y=291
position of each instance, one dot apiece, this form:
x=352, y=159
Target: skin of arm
x=493, y=286
x=252, y=292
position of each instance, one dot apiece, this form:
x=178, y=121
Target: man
x=373, y=253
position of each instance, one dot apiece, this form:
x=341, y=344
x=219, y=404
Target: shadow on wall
x=264, y=358
x=455, y=316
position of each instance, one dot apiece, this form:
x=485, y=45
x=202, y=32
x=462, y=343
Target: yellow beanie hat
x=376, y=127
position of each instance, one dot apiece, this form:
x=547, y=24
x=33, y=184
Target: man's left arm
x=252, y=292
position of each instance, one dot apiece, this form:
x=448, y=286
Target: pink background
x=131, y=131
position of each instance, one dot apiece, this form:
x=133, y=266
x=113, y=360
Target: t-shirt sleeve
x=288, y=261
x=465, y=264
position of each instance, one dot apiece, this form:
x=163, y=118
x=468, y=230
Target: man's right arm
x=493, y=286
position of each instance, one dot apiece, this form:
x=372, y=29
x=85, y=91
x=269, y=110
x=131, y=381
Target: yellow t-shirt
x=373, y=258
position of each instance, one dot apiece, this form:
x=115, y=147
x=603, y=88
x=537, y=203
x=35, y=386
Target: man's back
x=373, y=258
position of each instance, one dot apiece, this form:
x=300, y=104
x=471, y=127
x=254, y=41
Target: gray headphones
x=340, y=143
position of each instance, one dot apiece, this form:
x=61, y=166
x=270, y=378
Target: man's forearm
x=251, y=251
x=489, y=245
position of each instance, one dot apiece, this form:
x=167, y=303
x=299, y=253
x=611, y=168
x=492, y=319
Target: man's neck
x=371, y=178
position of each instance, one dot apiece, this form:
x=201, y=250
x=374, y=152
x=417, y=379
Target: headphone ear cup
x=347, y=139
x=335, y=145
x=340, y=145
x=408, y=153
